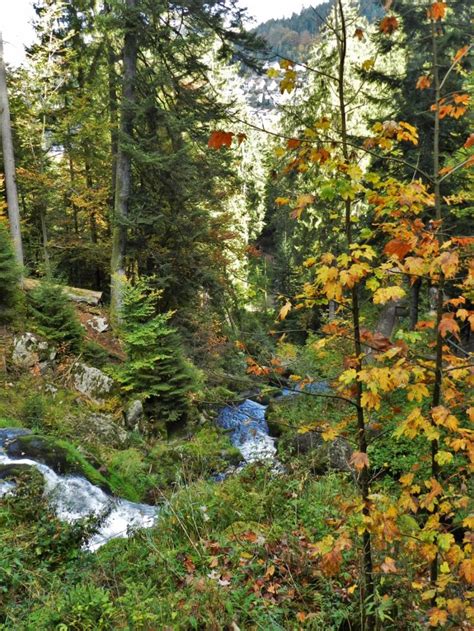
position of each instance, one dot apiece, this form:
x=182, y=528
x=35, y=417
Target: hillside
x=292, y=37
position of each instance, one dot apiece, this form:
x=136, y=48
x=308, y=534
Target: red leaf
x=293, y=143
x=389, y=24
x=219, y=139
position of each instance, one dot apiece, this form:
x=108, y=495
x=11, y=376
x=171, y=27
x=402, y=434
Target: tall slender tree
x=9, y=163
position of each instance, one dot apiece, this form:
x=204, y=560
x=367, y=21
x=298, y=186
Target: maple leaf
x=469, y=142
x=282, y=201
x=388, y=566
x=284, y=311
x=437, y=616
x=370, y=400
x=219, y=139
x=293, y=143
x=241, y=137
x=388, y=25
x=449, y=325
x=385, y=294
x=397, y=248
x=460, y=53
x=417, y=392
x=360, y=460
x=449, y=263
x=423, y=83
x=359, y=33
x=437, y=11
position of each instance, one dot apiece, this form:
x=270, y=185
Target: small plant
x=54, y=316
x=33, y=411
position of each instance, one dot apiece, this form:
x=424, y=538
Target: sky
x=16, y=15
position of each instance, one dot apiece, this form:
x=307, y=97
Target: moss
x=9, y=422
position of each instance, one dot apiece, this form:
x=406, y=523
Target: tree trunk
x=124, y=174
x=415, y=303
x=9, y=164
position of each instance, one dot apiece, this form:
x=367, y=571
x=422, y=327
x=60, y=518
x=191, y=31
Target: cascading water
x=74, y=497
x=248, y=430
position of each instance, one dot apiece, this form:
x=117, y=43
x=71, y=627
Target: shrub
x=54, y=316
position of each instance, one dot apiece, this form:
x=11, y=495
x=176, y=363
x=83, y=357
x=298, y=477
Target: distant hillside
x=292, y=37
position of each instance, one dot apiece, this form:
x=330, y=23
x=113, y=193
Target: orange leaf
x=398, y=248
x=425, y=324
x=467, y=570
x=389, y=24
x=219, y=139
x=360, y=460
x=359, y=33
x=461, y=98
x=469, y=142
x=423, y=83
x=437, y=11
x=460, y=53
x=449, y=325
x=293, y=143
x=437, y=616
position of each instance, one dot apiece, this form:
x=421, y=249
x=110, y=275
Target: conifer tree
x=155, y=369
x=54, y=316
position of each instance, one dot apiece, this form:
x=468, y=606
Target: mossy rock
x=24, y=472
x=59, y=455
x=321, y=456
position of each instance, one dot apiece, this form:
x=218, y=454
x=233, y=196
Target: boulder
x=92, y=382
x=104, y=427
x=29, y=350
x=134, y=414
x=333, y=455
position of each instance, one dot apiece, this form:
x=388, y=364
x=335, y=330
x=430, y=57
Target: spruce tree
x=54, y=316
x=9, y=278
x=155, y=369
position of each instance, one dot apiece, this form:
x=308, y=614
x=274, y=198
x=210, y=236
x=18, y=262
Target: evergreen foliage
x=54, y=316
x=9, y=276
x=155, y=369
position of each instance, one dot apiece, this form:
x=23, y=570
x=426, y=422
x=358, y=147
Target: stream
x=73, y=497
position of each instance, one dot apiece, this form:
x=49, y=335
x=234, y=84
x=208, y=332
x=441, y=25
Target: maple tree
x=408, y=216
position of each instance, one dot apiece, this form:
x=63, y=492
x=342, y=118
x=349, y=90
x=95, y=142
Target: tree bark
x=9, y=164
x=124, y=164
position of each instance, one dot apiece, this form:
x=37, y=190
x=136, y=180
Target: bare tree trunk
x=415, y=303
x=124, y=164
x=9, y=164
x=368, y=619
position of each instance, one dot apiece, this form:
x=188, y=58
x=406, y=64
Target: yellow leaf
x=348, y=376
x=368, y=64
x=385, y=294
x=417, y=392
x=284, y=311
x=444, y=567
x=282, y=201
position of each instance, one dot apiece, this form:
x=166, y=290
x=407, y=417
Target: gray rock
x=99, y=324
x=332, y=455
x=92, y=382
x=134, y=414
x=104, y=427
x=29, y=350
